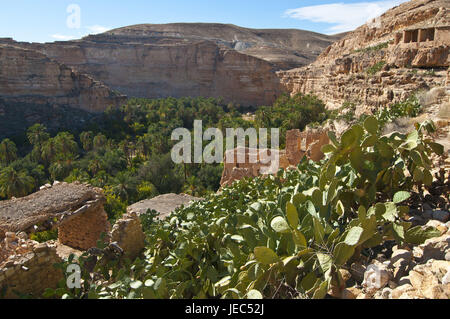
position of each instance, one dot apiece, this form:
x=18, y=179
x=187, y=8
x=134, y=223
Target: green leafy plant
x=411, y=107
x=45, y=235
x=281, y=236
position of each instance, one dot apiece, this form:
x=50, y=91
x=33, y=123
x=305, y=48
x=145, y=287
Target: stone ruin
x=436, y=34
x=30, y=272
x=298, y=145
x=76, y=210
x=127, y=233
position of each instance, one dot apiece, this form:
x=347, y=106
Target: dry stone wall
x=127, y=233
x=77, y=209
x=30, y=273
x=83, y=228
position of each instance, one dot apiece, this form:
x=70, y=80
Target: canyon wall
x=170, y=69
x=284, y=48
x=185, y=59
x=31, y=77
x=403, y=52
x=35, y=88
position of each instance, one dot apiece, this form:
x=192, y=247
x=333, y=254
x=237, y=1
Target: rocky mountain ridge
x=285, y=48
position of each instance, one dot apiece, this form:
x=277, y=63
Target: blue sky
x=47, y=20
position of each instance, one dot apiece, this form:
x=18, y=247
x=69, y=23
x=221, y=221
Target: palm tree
x=100, y=141
x=86, y=140
x=125, y=185
x=8, y=151
x=37, y=135
x=15, y=184
x=66, y=144
x=49, y=150
x=95, y=166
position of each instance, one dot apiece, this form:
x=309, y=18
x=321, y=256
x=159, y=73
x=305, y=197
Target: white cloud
x=62, y=37
x=95, y=29
x=343, y=16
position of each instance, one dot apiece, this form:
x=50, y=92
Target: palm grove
x=127, y=150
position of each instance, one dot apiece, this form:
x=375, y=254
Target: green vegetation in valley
x=294, y=112
x=345, y=113
x=127, y=150
x=411, y=107
x=408, y=108
x=283, y=236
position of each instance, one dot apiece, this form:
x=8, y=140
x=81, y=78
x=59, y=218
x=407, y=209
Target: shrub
x=377, y=67
x=408, y=108
x=44, y=236
x=374, y=48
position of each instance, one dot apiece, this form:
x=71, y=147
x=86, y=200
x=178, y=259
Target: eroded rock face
x=31, y=77
x=139, y=67
x=283, y=48
x=34, y=88
x=177, y=60
x=372, y=66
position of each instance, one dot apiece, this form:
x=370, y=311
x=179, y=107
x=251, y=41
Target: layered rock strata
x=385, y=61
x=28, y=76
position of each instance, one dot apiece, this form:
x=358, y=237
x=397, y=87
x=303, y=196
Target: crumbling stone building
x=75, y=209
x=298, y=145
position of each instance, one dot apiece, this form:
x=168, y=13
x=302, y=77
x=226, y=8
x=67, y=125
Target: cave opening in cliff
x=426, y=35
x=411, y=36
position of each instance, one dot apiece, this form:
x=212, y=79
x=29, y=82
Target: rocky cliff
x=35, y=88
x=31, y=77
x=401, y=53
x=155, y=70
x=211, y=60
